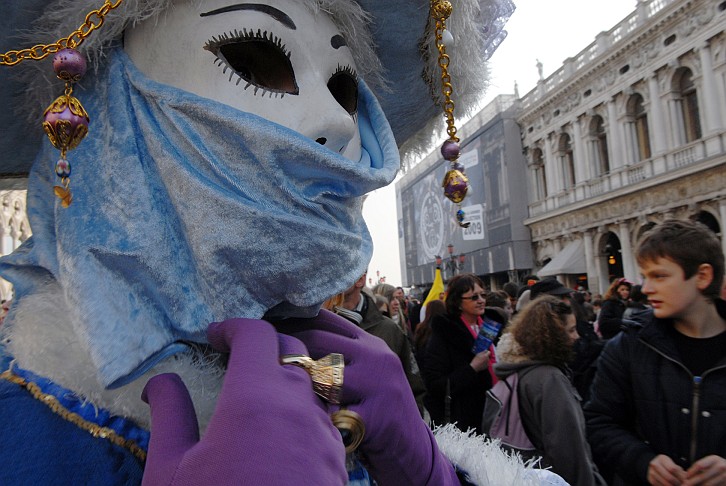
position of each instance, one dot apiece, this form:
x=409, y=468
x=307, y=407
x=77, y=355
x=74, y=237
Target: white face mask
x=274, y=59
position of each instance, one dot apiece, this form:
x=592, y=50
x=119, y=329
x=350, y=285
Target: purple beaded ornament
x=455, y=182
x=65, y=121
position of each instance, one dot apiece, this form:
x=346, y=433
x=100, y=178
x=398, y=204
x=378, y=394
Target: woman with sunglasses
x=457, y=379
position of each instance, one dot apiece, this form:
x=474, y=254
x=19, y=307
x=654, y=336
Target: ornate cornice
x=667, y=197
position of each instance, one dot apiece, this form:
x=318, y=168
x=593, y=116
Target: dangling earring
x=455, y=182
x=65, y=121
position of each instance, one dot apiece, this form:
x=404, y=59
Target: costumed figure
x=176, y=250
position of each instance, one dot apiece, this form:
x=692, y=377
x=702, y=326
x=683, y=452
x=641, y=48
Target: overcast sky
x=549, y=31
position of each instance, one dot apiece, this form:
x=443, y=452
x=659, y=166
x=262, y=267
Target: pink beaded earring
x=65, y=121
x=455, y=182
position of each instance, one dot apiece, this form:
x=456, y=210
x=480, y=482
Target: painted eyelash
x=216, y=42
x=350, y=71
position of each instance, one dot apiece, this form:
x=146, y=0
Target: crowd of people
x=626, y=389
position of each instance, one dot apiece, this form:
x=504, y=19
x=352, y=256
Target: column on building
x=630, y=270
x=581, y=158
x=658, y=132
x=630, y=136
x=590, y=265
x=615, y=138
x=553, y=175
x=4, y=247
x=532, y=173
x=675, y=114
x=602, y=270
x=709, y=99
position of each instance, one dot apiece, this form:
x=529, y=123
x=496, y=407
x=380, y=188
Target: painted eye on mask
x=343, y=85
x=258, y=58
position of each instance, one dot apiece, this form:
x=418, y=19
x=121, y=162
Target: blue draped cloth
x=187, y=211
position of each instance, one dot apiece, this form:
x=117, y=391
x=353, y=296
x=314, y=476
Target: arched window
x=599, y=145
x=639, y=119
x=540, y=176
x=688, y=105
x=709, y=220
x=567, y=161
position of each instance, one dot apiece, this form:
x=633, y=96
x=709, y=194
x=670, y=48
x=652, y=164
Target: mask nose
x=341, y=137
x=330, y=125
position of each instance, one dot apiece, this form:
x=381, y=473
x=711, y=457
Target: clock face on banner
x=431, y=224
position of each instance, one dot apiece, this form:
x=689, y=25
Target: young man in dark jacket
x=657, y=413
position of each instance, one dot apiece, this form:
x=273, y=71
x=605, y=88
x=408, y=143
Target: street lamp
x=454, y=262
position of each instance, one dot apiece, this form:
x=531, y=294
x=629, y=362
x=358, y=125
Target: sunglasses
x=475, y=297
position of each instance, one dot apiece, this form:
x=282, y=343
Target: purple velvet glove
x=398, y=445
x=268, y=426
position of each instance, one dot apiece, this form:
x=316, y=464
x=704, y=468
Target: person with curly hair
x=538, y=345
x=610, y=320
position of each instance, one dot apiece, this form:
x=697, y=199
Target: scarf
x=186, y=212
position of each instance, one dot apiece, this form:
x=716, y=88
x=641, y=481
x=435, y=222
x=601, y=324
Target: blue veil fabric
x=187, y=211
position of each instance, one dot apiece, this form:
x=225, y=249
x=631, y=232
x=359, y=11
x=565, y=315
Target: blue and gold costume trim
x=97, y=422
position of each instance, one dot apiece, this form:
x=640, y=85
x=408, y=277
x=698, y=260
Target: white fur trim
x=41, y=338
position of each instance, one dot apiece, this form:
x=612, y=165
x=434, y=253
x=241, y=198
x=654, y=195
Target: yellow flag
x=436, y=289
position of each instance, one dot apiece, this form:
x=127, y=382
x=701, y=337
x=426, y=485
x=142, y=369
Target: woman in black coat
x=610, y=320
x=451, y=368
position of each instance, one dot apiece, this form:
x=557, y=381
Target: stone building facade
x=14, y=228
x=629, y=132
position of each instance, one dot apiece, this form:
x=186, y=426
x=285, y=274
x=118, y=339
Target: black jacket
x=448, y=355
x=383, y=327
x=610, y=319
x=645, y=402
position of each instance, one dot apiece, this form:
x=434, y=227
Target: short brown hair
x=688, y=243
x=497, y=298
x=457, y=287
x=539, y=329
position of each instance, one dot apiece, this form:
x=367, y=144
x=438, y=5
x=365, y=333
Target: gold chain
x=93, y=21
x=94, y=429
x=440, y=11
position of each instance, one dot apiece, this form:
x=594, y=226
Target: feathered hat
x=394, y=45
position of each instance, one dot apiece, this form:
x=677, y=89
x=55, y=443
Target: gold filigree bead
x=441, y=9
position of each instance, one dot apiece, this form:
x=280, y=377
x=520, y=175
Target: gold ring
x=351, y=427
x=326, y=373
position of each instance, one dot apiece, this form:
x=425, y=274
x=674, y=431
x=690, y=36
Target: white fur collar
x=41, y=338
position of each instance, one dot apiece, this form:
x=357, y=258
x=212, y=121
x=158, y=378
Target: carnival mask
x=275, y=59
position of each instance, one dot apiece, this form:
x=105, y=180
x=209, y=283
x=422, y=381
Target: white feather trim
x=487, y=464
